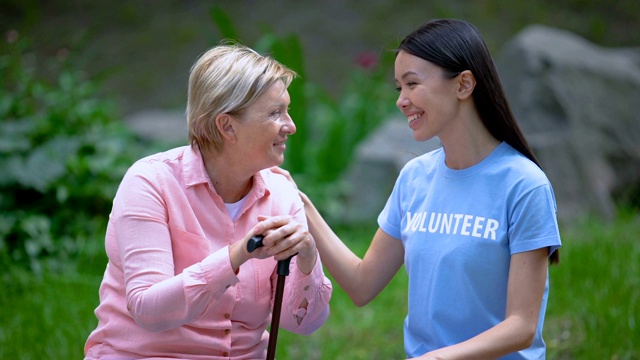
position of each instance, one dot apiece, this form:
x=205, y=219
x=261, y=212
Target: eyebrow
x=277, y=105
x=406, y=74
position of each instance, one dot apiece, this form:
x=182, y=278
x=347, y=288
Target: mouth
x=414, y=116
x=280, y=143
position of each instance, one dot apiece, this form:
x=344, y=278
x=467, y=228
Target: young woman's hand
x=285, y=173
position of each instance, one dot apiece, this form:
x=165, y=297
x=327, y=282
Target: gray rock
x=167, y=126
x=576, y=104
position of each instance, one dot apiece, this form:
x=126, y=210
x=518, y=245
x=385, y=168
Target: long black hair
x=455, y=46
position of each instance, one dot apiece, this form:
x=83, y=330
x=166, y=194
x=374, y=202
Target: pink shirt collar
x=194, y=173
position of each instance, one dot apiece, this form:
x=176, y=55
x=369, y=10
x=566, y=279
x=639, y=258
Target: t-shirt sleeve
x=390, y=217
x=533, y=222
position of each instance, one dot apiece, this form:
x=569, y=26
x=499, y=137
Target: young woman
x=474, y=222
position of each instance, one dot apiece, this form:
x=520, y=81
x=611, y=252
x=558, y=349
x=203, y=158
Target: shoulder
x=168, y=156
x=515, y=174
x=513, y=165
x=158, y=165
x=284, y=197
x=277, y=183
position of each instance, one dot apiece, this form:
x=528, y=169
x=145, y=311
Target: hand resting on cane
x=283, y=238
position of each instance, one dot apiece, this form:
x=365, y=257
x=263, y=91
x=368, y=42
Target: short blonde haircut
x=227, y=79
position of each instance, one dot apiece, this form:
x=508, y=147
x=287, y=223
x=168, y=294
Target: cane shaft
x=282, y=271
x=275, y=318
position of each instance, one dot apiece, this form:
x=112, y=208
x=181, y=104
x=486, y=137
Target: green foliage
x=62, y=155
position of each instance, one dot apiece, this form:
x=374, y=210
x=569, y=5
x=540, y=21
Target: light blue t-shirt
x=459, y=229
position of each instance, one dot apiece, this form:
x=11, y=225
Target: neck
x=230, y=182
x=468, y=143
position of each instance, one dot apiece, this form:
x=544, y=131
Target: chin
x=422, y=137
x=424, y=134
x=276, y=162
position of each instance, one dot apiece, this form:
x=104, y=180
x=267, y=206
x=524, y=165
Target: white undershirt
x=234, y=209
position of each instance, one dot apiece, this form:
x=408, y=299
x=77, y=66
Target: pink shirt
x=169, y=289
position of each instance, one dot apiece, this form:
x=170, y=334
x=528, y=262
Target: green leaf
x=14, y=137
x=45, y=164
x=222, y=20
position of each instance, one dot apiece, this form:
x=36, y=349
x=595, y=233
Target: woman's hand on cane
x=285, y=237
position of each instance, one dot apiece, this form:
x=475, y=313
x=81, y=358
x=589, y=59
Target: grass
x=46, y=318
x=593, y=310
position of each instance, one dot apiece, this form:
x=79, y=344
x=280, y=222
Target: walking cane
x=282, y=271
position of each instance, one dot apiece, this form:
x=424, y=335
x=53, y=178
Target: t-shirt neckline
x=474, y=169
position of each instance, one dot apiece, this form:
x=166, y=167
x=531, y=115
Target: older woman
x=180, y=282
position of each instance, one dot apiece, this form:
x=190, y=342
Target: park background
x=74, y=71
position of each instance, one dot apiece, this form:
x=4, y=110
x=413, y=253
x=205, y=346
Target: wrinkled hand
x=285, y=237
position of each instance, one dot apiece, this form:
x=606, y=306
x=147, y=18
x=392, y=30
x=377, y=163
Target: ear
x=226, y=126
x=466, y=84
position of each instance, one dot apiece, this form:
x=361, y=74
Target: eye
x=409, y=84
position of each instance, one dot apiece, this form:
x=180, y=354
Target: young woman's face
x=265, y=126
x=427, y=98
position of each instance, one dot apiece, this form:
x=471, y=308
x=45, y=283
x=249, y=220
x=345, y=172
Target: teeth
x=413, y=117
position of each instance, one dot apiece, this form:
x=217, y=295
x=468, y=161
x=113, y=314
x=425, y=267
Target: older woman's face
x=265, y=126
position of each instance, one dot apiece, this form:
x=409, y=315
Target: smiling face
x=264, y=127
x=427, y=97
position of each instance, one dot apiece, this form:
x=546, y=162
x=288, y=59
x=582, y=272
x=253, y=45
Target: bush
x=63, y=153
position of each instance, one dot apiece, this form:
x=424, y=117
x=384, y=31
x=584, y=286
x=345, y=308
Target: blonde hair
x=227, y=79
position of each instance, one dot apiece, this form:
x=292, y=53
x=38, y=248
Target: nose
x=289, y=127
x=402, y=101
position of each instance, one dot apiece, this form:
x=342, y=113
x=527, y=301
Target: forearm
x=341, y=262
x=159, y=305
x=511, y=335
